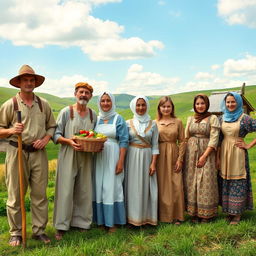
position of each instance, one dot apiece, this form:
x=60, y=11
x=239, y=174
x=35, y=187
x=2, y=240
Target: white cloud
x=241, y=67
x=4, y=82
x=70, y=23
x=203, y=76
x=235, y=73
x=215, y=67
x=64, y=86
x=103, y=1
x=120, y=49
x=137, y=81
x=238, y=12
x=215, y=84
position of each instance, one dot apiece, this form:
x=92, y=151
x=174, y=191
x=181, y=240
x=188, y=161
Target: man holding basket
x=73, y=194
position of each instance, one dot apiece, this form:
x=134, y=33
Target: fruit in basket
x=90, y=134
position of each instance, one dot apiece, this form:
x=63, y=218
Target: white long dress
x=141, y=188
x=108, y=198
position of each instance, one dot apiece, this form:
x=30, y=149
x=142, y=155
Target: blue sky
x=151, y=47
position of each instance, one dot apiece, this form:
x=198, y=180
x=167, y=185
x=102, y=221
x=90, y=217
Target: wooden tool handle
x=22, y=185
x=19, y=116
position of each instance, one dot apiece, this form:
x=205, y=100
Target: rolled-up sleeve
x=122, y=133
x=6, y=114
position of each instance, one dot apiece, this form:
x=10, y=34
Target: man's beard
x=82, y=101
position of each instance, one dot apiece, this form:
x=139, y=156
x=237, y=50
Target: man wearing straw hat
x=73, y=194
x=37, y=127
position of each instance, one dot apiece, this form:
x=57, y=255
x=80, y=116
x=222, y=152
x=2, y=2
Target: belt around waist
x=199, y=136
x=25, y=147
x=139, y=145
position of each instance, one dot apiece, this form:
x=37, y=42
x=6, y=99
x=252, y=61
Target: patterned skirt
x=236, y=195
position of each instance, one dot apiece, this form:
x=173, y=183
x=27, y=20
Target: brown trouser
x=35, y=166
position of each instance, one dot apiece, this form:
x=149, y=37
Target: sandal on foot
x=59, y=234
x=43, y=238
x=15, y=241
x=177, y=222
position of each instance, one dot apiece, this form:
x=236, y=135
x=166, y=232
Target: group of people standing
x=148, y=171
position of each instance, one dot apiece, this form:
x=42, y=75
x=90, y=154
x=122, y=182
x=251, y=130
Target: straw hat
x=26, y=70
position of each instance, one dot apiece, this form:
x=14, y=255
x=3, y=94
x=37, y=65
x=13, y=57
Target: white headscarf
x=140, y=121
x=107, y=115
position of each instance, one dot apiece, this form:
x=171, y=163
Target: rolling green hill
x=182, y=101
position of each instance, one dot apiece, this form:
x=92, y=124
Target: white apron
x=108, y=187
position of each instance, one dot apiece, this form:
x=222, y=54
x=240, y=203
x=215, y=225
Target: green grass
x=216, y=238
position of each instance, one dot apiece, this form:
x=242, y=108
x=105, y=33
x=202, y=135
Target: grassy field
x=215, y=238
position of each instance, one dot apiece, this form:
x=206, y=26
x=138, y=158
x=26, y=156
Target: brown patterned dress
x=200, y=184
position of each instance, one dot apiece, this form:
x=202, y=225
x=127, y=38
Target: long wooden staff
x=21, y=181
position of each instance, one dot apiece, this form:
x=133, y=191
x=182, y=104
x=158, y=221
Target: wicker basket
x=90, y=144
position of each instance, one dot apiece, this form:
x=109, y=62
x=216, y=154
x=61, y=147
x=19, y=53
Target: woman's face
x=141, y=107
x=200, y=105
x=166, y=108
x=105, y=103
x=231, y=103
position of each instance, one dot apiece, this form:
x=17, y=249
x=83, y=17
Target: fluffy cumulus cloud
x=64, y=86
x=216, y=83
x=70, y=23
x=215, y=67
x=238, y=12
x=241, y=67
x=138, y=81
x=232, y=73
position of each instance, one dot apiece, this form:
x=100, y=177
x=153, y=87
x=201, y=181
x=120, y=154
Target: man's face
x=83, y=95
x=27, y=83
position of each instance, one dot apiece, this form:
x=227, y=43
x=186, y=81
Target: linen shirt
x=37, y=123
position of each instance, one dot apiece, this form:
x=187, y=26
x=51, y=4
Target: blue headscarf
x=234, y=115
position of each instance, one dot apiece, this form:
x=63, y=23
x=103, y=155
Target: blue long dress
x=108, y=196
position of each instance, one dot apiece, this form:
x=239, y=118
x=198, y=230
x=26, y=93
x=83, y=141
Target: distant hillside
x=56, y=103
x=122, y=100
x=182, y=101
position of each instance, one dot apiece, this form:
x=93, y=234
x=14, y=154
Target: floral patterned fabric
x=200, y=184
x=236, y=195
